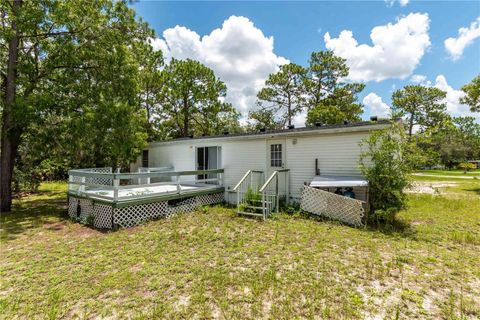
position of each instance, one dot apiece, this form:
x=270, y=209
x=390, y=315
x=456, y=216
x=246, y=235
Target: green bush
x=466, y=166
x=252, y=197
x=25, y=180
x=387, y=162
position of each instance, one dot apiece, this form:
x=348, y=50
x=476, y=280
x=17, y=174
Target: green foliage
x=263, y=118
x=192, y=101
x=75, y=92
x=467, y=166
x=386, y=164
x=25, y=180
x=454, y=141
x=338, y=106
x=319, y=89
x=252, y=197
x=324, y=77
x=422, y=106
x=284, y=92
x=472, y=94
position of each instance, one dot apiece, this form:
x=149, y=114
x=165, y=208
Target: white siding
x=237, y=157
x=240, y=156
x=337, y=154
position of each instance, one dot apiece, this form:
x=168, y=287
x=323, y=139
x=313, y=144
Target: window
x=145, y=159
x=208, y=158
x=276, y=155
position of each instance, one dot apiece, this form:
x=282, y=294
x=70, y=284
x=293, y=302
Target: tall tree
x=284, y=91
x=340, y=105
x=263, y=119
x=324, y=76
x=472, y=94
x=192, y=97
x=62, y=59
x=330, y=99
x=150, y=84
x=422, y=106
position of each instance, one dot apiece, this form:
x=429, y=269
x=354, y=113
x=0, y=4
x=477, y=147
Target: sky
x=387, y=44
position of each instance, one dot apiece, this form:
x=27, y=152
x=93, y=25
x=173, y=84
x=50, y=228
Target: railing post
x=116, y=183
x=264, y=206
x=276, y=191
x=82, y=187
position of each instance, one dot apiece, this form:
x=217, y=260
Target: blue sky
x=299, y=28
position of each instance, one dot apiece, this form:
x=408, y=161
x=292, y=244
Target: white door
x=275, y=155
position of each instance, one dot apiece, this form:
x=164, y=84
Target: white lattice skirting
x=332, y=205
x=107, y=217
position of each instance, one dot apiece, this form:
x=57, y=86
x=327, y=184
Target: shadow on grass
x=396, y=228
x=30, y=213
x=475, y=190
x=399, y=228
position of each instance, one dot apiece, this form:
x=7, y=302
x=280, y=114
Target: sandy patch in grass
x=429, y=187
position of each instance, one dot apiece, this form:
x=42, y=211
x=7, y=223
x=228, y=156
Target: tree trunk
x=410, y=126
x=289, y=111
x=185, y=117
x=10, y=133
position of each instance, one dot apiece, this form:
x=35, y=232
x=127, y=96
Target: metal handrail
x=243, y=179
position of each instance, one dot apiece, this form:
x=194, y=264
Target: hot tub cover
x=338, y=181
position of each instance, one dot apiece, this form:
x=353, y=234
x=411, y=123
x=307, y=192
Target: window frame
x=276, y=156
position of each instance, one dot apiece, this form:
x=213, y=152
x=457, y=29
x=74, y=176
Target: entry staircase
x=259, y=197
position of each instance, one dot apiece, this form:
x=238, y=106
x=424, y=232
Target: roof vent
x=373, y=118
x=318, y=124
x=345, y=122
x=263, y=129
x=226, y=132
x=291, y=126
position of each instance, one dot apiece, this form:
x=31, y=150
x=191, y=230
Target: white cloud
x=238, y=52
x=300, y=119
x=396, y=51
x=454, y=107
x=376, y=106
x=418, y=79
x=402, y=3
x=466, y=36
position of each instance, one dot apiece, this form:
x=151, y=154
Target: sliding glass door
x=208, y=158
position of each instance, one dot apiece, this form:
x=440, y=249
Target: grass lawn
x=213, y=264
x=472, y=173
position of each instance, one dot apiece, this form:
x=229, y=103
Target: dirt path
x=442, y=176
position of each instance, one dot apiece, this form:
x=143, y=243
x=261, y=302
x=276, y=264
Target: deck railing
x=276, y=188
x=104, y=184
x=253, y=180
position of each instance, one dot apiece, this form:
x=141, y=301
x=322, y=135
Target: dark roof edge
x=269, y=132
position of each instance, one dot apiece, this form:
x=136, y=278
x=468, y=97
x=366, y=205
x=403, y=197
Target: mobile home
x=307, y=152
x=257, y=171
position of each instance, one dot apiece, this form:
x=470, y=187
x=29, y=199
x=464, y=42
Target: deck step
x=254, y=207
x=250, y=213
x=261, y=201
